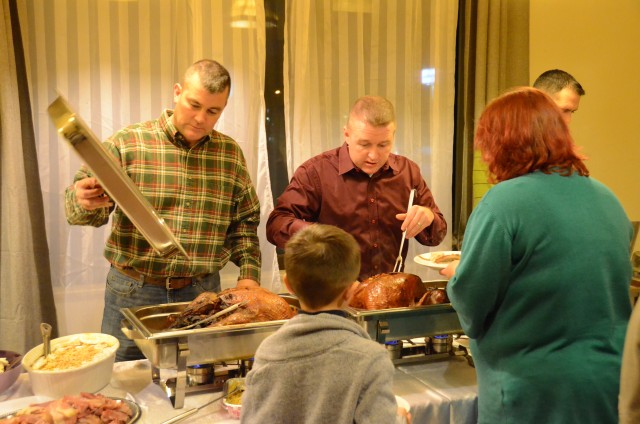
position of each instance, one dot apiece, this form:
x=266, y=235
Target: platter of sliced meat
x=85, y=407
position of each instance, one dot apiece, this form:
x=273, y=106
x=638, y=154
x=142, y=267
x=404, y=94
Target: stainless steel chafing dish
x=397, y=327
x=406, y=323
x=178, y=349
x=386, y=325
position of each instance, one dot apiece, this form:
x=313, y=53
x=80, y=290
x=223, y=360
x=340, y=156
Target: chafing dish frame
x=384, y=325
x=178, y=349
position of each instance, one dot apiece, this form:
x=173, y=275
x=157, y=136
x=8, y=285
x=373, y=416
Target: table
x=439, y=392
x=442, y=391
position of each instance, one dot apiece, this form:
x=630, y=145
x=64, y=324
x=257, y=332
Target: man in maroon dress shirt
x=364, y=189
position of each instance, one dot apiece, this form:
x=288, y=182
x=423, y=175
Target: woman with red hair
x=542, y=286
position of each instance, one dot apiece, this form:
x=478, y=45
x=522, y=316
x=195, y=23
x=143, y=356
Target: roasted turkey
x=261, y=305
x=395, y=290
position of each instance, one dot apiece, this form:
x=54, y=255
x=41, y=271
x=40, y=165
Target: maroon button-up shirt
x=330, y=189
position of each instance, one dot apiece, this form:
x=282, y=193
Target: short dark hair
x=555, y=80
x=321, y=261
x=213, y=76
x=522, y=131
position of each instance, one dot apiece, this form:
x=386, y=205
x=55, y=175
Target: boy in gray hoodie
x=320, y=366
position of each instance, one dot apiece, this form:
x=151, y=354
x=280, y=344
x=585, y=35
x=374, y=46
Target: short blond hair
x=321, y=261
x=375, y=110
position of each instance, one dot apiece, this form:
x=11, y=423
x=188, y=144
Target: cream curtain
x=336, y=51
x=25, y=281
x=116, y=62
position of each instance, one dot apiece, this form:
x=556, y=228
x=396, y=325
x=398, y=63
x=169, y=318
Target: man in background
x=563, y=88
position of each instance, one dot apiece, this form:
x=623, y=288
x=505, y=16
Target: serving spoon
x=45, y=330
x=13, y=362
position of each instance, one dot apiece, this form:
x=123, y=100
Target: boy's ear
x=350, y=291
x=286, y=284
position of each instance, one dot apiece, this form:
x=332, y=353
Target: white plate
x=19, y=403
x=427, y=259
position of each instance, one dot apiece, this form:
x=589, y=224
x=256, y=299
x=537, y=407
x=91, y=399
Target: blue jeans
x=125, y=292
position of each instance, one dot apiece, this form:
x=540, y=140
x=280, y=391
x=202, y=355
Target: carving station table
x=442, y=391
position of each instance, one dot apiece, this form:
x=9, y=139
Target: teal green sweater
x=542, y=289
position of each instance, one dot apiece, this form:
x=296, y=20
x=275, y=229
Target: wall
x=597, y=42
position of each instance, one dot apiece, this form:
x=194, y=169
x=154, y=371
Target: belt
x=170, y=283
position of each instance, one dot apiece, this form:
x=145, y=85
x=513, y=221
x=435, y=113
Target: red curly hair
x=522, y=131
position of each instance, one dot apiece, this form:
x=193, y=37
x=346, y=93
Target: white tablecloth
x=442, y=392
x=438, y=392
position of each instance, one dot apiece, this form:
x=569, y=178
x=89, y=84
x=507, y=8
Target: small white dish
x=430, y=259
x=402, y=403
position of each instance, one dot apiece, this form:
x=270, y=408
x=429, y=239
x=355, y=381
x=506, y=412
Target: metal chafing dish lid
x=113, y=179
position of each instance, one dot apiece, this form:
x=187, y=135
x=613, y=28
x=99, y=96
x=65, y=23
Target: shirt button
x=372, y=200
x=373, y=221
x=375, y=245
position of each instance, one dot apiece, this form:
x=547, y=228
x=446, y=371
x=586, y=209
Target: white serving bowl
x=89, y=377
x=10, y=376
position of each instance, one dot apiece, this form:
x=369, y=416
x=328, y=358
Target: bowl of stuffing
x=76, y=363
x=10, y=368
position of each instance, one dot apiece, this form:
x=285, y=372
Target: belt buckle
x=167, y=283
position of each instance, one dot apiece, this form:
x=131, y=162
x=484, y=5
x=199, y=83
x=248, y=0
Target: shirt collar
x=338, y=312
x=345, y=164
x=172, y=132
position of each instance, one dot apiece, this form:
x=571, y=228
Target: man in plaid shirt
x=197, y=180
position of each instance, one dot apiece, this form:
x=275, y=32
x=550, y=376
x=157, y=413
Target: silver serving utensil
x=398, y=265
x=113, y=179
x=45, y=330
x=13, y=362
x=214, y=316
x=196, y=409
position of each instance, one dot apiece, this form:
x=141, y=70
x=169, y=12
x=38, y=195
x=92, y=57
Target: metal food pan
x=384, y=325
x=114, y=180
x=146, y=326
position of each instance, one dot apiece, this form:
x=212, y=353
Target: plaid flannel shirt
x=204, y=194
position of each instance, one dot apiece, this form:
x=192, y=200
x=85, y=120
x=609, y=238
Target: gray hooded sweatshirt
x=320, y=368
